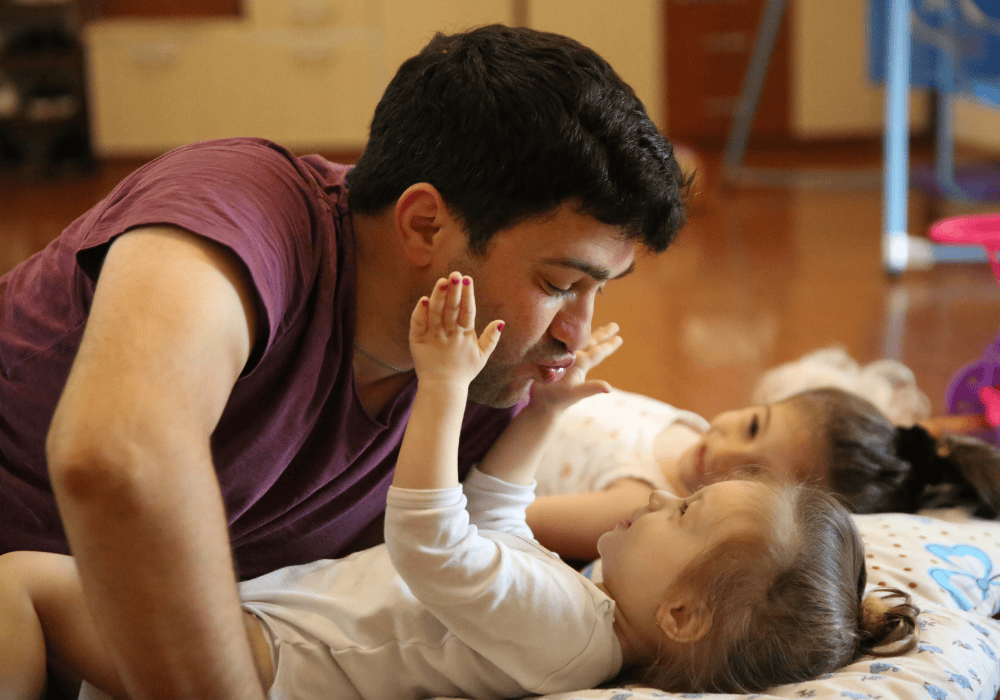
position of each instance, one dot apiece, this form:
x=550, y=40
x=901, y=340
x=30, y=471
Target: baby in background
x=855, y=435
x=702, y=593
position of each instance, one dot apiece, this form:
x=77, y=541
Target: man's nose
x=571, y=326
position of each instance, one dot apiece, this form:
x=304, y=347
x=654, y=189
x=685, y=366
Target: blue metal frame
x=899, y=249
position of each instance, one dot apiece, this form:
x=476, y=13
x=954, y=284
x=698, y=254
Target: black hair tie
x=862, y=582
x=919, y=448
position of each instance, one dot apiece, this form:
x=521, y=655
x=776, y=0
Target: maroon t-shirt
x=303, y=467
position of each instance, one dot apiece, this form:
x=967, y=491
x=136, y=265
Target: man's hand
x=574, y=385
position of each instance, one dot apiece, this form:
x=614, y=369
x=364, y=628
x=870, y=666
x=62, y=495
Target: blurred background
x=784, y=250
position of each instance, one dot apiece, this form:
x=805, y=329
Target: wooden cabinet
x=306, y=74
x=43, y=96
x=708, y=48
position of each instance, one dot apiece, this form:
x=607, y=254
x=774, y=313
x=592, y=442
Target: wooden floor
x=761, y=275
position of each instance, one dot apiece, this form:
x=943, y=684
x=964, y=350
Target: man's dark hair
x=508, y=123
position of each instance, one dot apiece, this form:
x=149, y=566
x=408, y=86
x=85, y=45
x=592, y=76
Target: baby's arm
x=571, y=523
x=481, y=588
x=515, y=455
x=447, y=355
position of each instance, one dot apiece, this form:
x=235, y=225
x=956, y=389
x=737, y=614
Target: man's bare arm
x=170, y=329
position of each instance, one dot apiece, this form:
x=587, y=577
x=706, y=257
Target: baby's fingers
x=438, y=299
x=595, y=353
x=592, y=387
x=467, y=308
x=490, y=337
x=453, y=301
x=418, y=319
x=605, y=332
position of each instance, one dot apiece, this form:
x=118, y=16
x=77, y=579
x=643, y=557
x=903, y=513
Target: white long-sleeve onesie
x=460, y=601
x=611, y=436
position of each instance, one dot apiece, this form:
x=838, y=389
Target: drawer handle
x=312, y=55
x=159, y=54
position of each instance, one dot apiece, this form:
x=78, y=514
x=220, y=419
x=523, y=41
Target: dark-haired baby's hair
x=788, y=604
x=509, y=123
x=878, y=467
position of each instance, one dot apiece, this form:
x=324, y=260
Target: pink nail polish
x=444, y=287
x=500, y=326
x=466, y=281
x=454, y=281
x=425, y=302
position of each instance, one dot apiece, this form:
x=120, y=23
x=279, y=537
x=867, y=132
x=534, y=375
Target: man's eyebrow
x=601, y=274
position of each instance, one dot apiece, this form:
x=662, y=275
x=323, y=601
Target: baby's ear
x=684, y=618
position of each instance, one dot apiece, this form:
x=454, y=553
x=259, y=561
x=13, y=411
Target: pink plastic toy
x=975, y=388
x=980, y=229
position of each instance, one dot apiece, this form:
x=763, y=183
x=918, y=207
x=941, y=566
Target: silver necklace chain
x=375, y=359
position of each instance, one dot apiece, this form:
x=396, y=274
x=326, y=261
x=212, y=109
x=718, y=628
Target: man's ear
x=684, y=618
x=424, y=223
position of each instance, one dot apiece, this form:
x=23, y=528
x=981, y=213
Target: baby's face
x=779, y=439
x=646, y=553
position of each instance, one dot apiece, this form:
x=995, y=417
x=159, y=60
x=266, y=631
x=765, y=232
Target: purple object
x=962, y=394
x=979, y=181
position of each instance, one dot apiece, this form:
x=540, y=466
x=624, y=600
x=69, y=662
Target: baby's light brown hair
x=786, y=600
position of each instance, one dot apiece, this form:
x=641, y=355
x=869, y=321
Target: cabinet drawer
x=158, y=87
x=309, y=14
x=314, y=92
x=154, y=88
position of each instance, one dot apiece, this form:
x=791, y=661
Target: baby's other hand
x=443, y=339
x=574, y=385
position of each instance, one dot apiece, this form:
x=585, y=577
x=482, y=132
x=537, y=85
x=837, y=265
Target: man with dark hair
x=209, y=371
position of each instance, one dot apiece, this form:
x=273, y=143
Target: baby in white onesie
x=609, y=451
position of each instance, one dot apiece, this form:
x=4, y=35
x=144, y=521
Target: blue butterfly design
x=986, y=650
x=960, y=680
x=971, y=576
x=935, y=692
x=882, y=667
x=982, y=630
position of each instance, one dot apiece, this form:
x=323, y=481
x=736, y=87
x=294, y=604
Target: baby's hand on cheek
x=443, y=339
x=575, y=385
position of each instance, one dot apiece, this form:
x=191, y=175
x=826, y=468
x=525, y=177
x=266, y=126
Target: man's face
x=540, y=277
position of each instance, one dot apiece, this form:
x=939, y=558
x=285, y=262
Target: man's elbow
x=88, y=467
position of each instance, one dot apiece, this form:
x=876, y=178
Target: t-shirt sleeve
x=248, y=195
x=523, y=610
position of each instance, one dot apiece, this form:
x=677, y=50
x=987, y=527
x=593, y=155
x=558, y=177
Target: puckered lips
x=553, y=371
